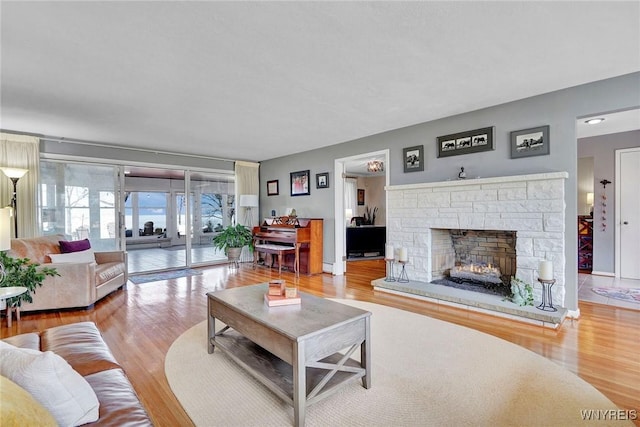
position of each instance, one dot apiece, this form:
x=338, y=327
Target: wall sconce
x=375, y=166
x=14, y=174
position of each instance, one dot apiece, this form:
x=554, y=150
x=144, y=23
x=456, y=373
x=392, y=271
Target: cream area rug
x=426, y=372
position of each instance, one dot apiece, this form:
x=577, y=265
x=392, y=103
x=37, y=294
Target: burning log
x=485, y=273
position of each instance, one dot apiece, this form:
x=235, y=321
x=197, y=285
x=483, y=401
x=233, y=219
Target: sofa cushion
x=52, y=382
x=74, y=257
x=74, y=245
x=30, y=340
x=81, y=345
x=20, y=409
x=119, y=404
x=37, y=249
x=109, y=270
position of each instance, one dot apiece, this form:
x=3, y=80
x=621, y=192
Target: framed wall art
x=300, y=183
x=360, y=196
x=322, y=180
x=272, y=188
x=413, y=158
x=530, y=142
x=472, y=141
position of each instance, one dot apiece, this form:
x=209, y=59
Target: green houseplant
x=22, y=272
x=232, y=239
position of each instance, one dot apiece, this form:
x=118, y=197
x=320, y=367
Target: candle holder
x=402, y=277
x=547, y=299
x=389, y=277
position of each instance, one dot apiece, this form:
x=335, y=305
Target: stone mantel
x=480, y=181
x=532, y=205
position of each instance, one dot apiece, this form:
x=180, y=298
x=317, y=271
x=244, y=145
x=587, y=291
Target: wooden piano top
x=284, y=229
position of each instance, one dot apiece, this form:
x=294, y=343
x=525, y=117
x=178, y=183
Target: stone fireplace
x=525, y=213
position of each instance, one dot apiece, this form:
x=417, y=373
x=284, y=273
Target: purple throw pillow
x=74, y=246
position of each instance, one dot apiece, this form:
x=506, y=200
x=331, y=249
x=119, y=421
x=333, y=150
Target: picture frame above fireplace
x=530, y=142
x=471, y=141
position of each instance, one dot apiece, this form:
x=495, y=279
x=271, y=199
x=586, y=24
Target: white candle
x=388, y=252
x=402, y=255
x=545, y=270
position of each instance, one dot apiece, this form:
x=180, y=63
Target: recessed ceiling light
x=595, y=121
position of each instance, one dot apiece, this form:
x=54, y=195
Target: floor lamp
x=14, y=174
x=248, y=201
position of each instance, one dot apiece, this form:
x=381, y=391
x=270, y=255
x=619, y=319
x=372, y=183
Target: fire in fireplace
x=480, y=260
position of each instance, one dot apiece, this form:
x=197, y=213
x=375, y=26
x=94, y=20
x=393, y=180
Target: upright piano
x=306, y=233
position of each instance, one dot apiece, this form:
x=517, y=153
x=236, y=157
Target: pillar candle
x=402, y=255
x=545, y=270
x=388, y=252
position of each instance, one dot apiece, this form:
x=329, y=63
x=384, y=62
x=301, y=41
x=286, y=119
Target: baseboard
x=602, y=273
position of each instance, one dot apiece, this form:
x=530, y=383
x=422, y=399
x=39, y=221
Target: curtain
x=350, y=198
x=21, y=151
x=247, y=183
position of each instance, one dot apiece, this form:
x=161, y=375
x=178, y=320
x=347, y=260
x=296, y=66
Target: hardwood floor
x=140, y=323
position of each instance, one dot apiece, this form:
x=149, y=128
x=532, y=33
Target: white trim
x=603, y=273
x=340, y=264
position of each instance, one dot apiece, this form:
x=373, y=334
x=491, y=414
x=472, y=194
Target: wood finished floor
x=140, y=323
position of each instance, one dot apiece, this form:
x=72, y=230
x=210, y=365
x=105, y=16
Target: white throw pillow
x=52, y=382
x=74, y=257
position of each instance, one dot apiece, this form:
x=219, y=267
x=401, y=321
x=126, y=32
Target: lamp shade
x=249, y=200
x=5, y=229
x=589, y=198
x=14, y=172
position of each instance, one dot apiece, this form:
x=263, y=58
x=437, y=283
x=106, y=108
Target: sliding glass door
x=79, y=201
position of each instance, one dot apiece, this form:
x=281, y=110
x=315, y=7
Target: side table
x=9, y=292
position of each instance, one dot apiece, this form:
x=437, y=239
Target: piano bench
x=279, y=250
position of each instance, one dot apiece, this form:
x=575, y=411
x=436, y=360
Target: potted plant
x=232, y=239
x=22, y=272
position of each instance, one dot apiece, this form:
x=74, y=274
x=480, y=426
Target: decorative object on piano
x=369, y=216
x=360, y=196
x=322, y=180
x=530, y=142
x=300, y=183
x=285, y=220
x=232, y=239
x=272, y=188
x=413, y=158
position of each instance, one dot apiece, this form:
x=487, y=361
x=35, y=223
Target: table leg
x=299, y=384
x=211, y=329
x=365, y=354
x=9, y=316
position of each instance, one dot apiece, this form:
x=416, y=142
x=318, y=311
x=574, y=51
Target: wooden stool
x=279, y=250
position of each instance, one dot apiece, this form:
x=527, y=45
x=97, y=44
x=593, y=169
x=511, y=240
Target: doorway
x=627, y=213
x=357, y=166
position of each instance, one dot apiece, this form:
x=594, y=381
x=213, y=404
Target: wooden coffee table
x=294, y=349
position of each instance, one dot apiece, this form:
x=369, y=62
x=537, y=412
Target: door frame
x=618, y=219
x=340, y=259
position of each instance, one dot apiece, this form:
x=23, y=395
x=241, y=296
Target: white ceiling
x=258, y=80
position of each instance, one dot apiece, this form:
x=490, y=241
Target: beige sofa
x=79, y=284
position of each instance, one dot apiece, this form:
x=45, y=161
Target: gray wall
x=558, y=109
x=603, y=150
